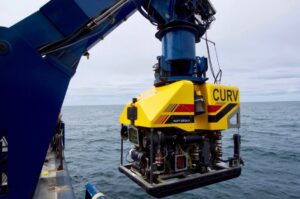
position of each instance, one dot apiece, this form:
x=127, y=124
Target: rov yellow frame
x=169, y=106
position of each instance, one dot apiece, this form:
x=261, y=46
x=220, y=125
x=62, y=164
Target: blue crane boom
x=40, y=54
x=34, y=81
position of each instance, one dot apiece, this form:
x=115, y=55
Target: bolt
x=3, y=47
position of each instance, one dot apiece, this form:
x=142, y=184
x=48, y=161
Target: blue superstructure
x=40, y=54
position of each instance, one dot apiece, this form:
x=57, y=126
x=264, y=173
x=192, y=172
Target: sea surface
x=270, y=149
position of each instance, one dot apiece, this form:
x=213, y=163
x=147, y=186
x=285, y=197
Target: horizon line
x=125, y=103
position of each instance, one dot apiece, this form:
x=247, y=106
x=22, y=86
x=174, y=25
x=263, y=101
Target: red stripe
x=185, y=108
x=213, y=108
x=165, y=119
x=158, y=120
x=161, y=119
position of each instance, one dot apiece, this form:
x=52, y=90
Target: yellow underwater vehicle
x=176, y=135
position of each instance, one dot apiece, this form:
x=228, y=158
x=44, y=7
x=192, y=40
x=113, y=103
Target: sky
x=258, y=46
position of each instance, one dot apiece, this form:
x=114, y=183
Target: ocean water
x=270, y=149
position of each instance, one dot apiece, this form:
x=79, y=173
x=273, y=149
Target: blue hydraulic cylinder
x=179, y=44
x=92, y=192
x=181, y=24
x=178, y=60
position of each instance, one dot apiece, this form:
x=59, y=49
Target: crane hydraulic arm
x=178, y=121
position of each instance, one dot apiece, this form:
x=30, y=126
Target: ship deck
x=54, y=183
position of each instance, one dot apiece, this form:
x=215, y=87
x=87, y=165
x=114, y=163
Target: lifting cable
x=218, y=77
x=145, y=14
